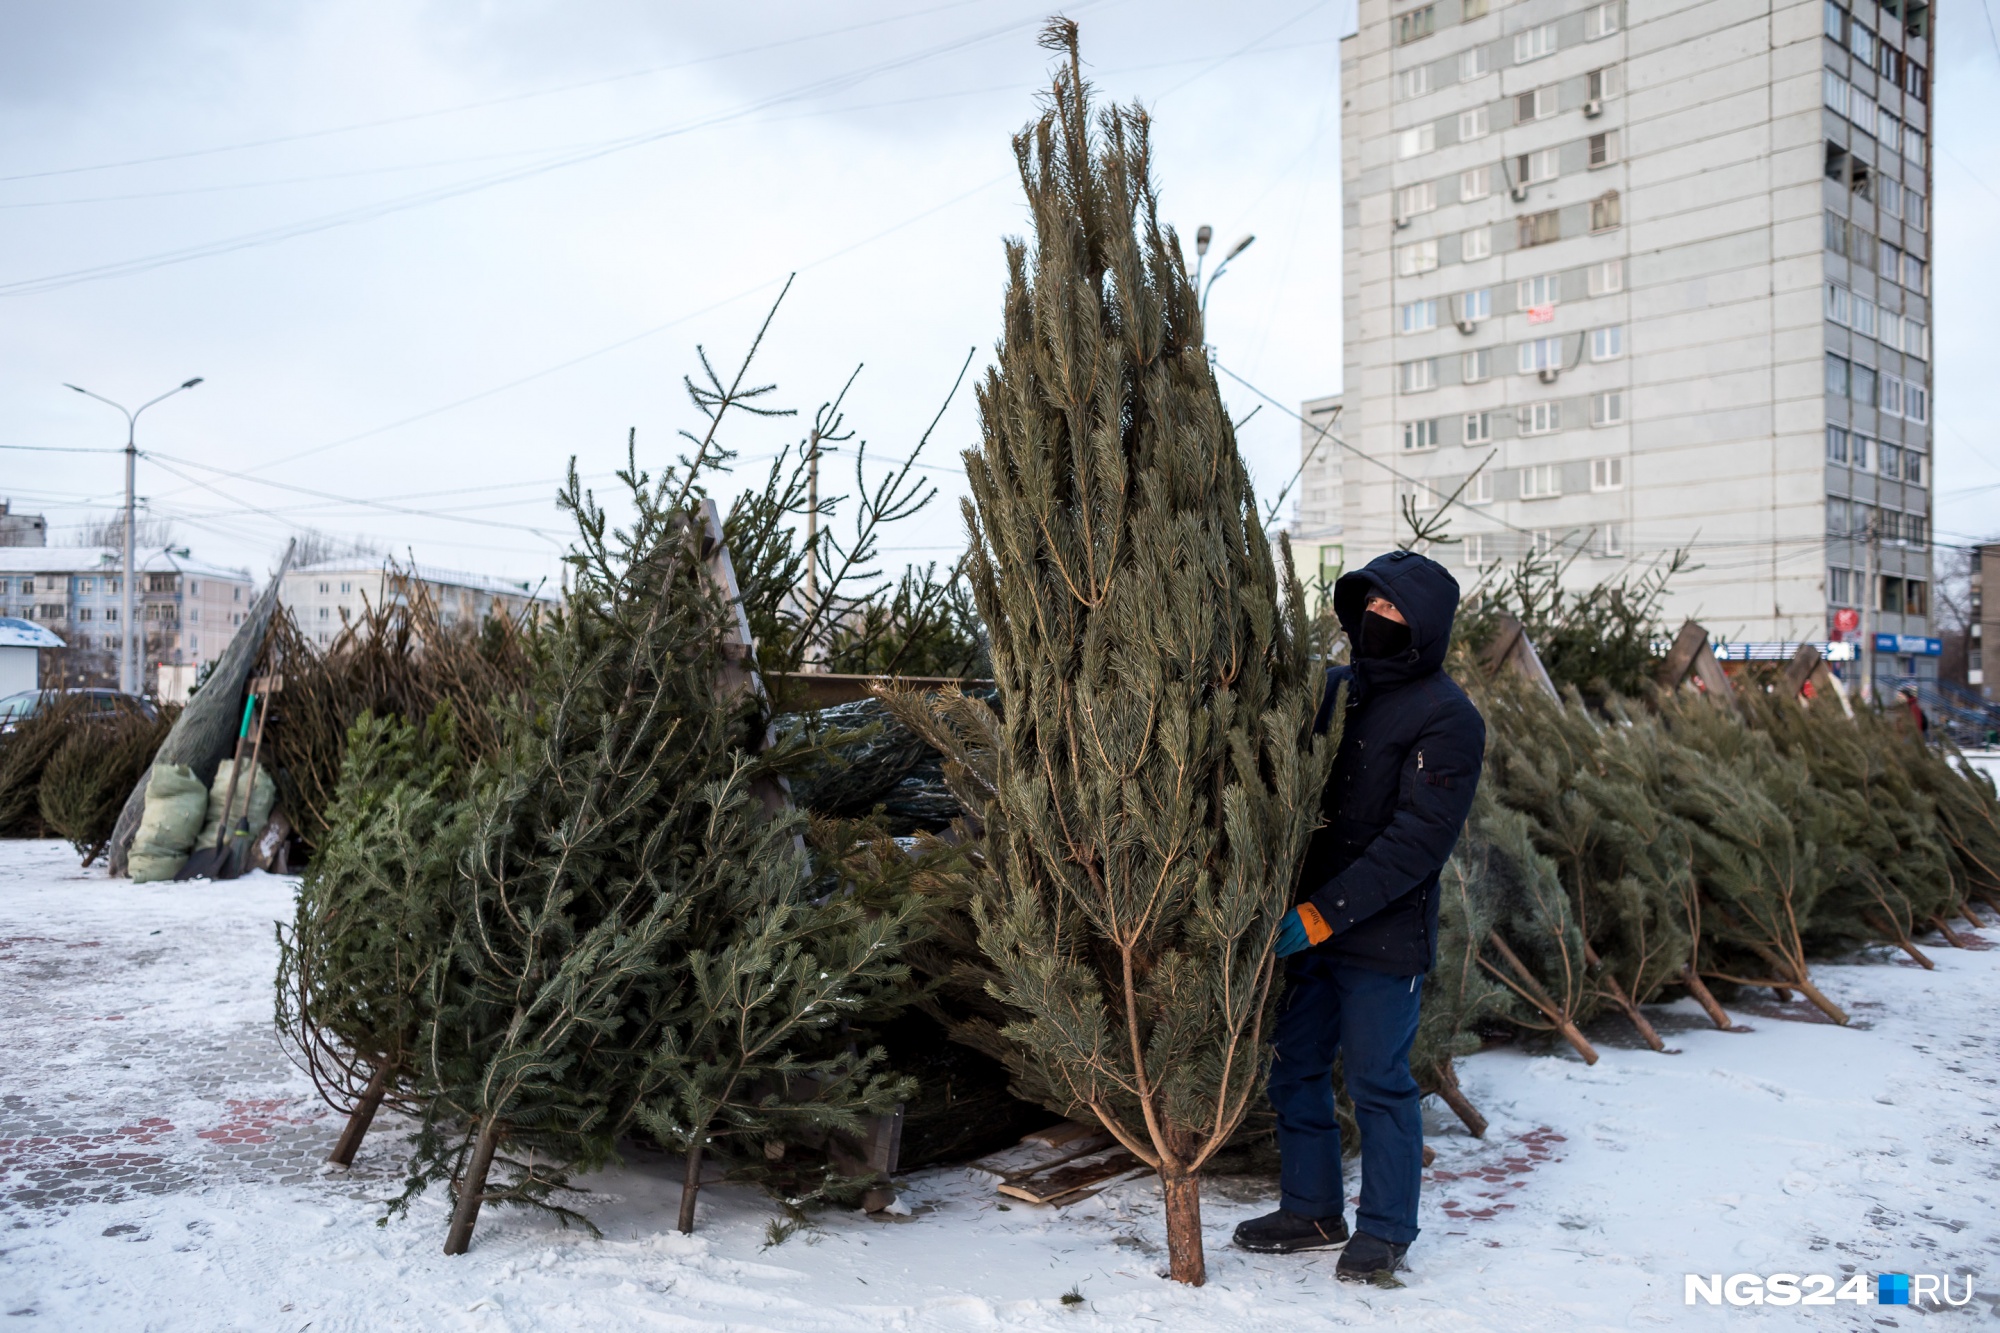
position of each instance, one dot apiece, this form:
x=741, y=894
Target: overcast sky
x=424, y=254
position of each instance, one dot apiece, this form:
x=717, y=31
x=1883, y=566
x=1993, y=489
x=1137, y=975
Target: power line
x=440, y=194
x=486, y=102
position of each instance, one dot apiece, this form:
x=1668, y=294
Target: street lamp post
x=1234, y=251
x=128, y=654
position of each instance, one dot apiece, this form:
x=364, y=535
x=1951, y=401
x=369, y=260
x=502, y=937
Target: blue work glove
x=1299, y=931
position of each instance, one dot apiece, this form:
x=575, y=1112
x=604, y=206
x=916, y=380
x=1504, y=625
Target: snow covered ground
x=160, y=1169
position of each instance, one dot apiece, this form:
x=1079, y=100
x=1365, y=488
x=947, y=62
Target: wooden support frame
x=1512, y=648
x=1692, y=661
x=1810, y=679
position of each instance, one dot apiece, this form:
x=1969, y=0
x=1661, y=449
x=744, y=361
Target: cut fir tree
x=1157, y=776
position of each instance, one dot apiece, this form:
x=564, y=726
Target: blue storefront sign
x=1910, y=645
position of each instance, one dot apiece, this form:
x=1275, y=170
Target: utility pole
x=130, y=676
x=812, y=514
x=1869, y=593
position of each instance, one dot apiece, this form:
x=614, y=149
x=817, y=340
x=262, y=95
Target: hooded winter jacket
x=1403, y=780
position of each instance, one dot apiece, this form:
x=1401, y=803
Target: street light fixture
x=128, y=652
x=1234, y=251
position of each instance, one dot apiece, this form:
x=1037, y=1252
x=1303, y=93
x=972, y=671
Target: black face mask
x=1382, y=637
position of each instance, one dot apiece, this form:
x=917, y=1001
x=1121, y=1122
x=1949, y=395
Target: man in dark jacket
x=1364, y=932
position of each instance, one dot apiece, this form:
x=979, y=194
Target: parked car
x=18, y=708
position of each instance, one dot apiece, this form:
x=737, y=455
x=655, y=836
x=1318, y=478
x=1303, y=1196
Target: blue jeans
x=1333, y=1008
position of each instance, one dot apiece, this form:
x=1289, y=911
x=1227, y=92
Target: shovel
x=205, y=863
x=239, y=836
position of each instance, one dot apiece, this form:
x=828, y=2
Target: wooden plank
x=1078, y=1180
x=1680, y=658
x=824, y=689
x=1062, y=1134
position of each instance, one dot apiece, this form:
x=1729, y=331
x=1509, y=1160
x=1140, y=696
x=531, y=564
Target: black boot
x=1369, y=1258
x=1285, y=1232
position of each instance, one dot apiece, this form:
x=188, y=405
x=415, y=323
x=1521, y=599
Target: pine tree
x=373, y=920
x=635, y=943
x=1157, y=776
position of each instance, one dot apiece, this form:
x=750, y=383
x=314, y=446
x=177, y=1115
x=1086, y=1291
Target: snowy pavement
x=160, y=1168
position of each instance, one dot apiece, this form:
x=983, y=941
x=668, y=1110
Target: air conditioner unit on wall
x=1550, y=374
x=1594, y=107
x=1467, y=326
x=1520, y=194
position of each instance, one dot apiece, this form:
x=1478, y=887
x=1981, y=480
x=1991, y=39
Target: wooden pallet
x=1062, y=1164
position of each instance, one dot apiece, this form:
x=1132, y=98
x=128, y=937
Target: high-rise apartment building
x=1663, y=269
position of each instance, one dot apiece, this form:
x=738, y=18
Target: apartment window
x=1601, y=84
x=1416, y=140
x=1414, y=199
x=1862, y=385
x=326, y=587
x=1839, y=304
x=1415, y=82
x=1913, y=467
x=1862, y=312
x=1913, y=80
x=1861, y=247
x=1479, y=430
x=1916, y=403
x=1887, y=128
x=1607, y=344
x=1861, y=110
x=86, y=586
x=1892, y=396
x=1536, y=105
x=1474, y=548
x=1913, y=145
x=1472, y=9
x=1890, y=198
x=1540, y=228
x=1835, y=92
x=1604, y=148
x=1474, y=124
x=1474, y=306
x=1607, y=409
x=1417, y=376
x=1889, y=462
x=1543, y=481
x=1534, y=43
x=1475, y=244
x=1477, y=365
x=1913, y=273
x=111, y=613
x=1412, y=494
x=83, y=613
x=1916, y=340
x=1836, y=22
x=325, y=614
x=1915, y=211
x=1420, y=435
x=1539, y=354
x=1836, y=584
x=1607, y=474
x=1836, y=445
x=1475, y=184
x=1479, y=489
x=1889, y=328
x=1534, y=168
x=1541, y=418
x=1416, y=257
x=1888, y=260
x=1836, y=234
x=1416, y=24
x=1604, y=211
x=1419, y=316
x=1537, y=292
x=1837, y=375
x=1473, y=63
x=1600, y=21
x=346, y=588
x=1611, y=539
x=1607, y=277
x=1857, y=451
x=1861, y=42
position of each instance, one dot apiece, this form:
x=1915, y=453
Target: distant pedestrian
x=1918, y=718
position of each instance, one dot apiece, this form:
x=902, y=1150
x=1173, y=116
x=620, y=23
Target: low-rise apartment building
x=325, y=596
x=188, y=610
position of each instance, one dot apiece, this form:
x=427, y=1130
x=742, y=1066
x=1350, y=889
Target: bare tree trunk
x=1531, y=990
x=1185, y=1262
x=1705, y=998
x=690, y=1189
x=472, y=1189
x=360, y=1118
x=1902, y=941
x=1944, y=929
x=1454, y=1097
x=1624, y=1001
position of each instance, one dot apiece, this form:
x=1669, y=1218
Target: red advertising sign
x=1847, y=620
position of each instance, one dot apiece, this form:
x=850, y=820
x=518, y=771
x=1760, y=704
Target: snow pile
x=160, y=1168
